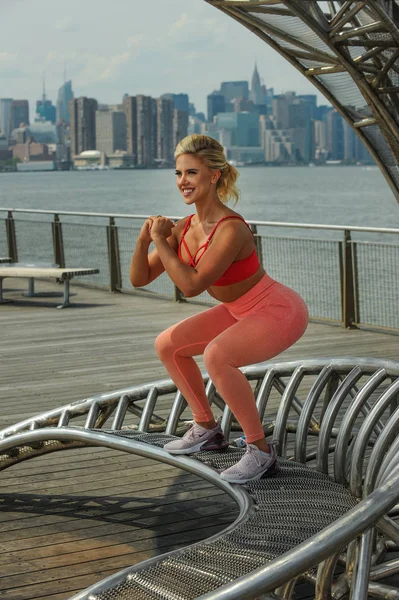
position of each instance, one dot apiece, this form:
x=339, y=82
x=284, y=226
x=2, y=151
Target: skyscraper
x=65, y=94
x=256, y=93
x=82, y=115
x=110, y=131
x=180, y=125
x=234, y=89
x=130, y=108
x=215, y=104
x=165, y=145
x=5, y=116
x=146, y=127
x=19, y=113
x=45, y=110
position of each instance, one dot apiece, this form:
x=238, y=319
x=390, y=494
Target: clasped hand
x=157, y=226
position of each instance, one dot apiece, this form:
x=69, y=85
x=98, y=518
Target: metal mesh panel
x=341, y=85
x=35, y=241
x=296, y=28
x=3, y=240
x=310, y=267
x=378, y=283
x=86, y=246
x=274, y=528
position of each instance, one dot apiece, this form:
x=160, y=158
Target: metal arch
x=349, y=50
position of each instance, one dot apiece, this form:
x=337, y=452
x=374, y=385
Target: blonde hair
x=212, y=155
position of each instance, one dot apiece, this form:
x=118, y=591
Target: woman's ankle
x=262, y=445
x=207, y=424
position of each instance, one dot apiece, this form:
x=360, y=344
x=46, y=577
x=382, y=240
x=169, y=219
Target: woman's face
x=194, y=179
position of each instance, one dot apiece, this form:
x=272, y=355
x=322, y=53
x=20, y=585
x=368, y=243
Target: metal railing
x=344, y=280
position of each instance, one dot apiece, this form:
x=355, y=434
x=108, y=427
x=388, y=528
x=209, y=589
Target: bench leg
x=66, y=295
x=31, y=288
x=2, y=301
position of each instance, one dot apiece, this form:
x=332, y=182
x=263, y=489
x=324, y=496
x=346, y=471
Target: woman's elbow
x=190, y=290
x=137, y=281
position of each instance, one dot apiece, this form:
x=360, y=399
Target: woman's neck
x=210, y=210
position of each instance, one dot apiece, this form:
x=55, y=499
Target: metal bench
x=327, y=515
x=42, y=271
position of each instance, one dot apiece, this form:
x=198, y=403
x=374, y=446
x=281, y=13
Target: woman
x=257, y=318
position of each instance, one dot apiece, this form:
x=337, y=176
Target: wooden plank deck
x=70, y=519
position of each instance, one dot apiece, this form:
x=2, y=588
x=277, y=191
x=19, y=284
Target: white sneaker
x=252, y=466
x=198, y=438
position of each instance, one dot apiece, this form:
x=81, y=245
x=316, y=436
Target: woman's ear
x=216, y=174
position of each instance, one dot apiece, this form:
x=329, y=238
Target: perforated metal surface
x=275, y=526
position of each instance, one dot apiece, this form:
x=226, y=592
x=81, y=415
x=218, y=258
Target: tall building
x=180, y=126
x=130, y=108
x=65, y=95
x=234, y=89
x=146, y=128
x=45, y=111
x=165, y=141
x=335, y=136
x=215, y=104
x=110, y=131
x=19, y=113
x=82, y=115
x=5, y=116
x=238, y=129
x=256, y=93
x=180, y=101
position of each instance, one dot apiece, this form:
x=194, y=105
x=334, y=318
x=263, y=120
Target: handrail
x=250, y=221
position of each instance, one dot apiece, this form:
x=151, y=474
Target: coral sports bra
x=237, y=271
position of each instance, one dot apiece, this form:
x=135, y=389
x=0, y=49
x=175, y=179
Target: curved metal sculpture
x=349, y=49
x=337, y=425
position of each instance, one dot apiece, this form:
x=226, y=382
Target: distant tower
x=83, y=124
x=65, y=94
x=5, y=116
x=256, y=93
x=19, y=113
x=45, y=111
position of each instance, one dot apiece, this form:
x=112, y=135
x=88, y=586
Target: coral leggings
x=256, y=327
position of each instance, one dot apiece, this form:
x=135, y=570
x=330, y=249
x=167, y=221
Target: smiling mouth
x=187, y=191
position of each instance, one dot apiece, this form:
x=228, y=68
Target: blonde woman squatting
x=256, y=319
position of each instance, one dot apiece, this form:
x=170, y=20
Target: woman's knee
x=163, y=344
x=215, y=358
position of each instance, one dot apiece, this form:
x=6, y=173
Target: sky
x=131, y=46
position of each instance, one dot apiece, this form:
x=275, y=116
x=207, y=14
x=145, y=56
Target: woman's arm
x=144, y=266
x=226, y=244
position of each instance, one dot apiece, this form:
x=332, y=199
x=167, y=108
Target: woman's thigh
x=257, y=337
x=191, y=336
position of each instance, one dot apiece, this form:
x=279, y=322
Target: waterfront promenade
x=70, y=519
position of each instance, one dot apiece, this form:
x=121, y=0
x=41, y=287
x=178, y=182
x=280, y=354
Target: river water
x=357, y=196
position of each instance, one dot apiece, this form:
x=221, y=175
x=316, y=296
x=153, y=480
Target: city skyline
x=130, y=52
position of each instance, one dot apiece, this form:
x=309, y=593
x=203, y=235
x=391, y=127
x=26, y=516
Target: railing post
x=114, y=256
x=178, y=295
x=258, y=243
x=348, y=296
x=11, y=237
x=58, y=242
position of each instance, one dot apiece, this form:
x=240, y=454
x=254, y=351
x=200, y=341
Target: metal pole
x=349, y=316
x=11, y=237
x=114, y=256
x=58, y=242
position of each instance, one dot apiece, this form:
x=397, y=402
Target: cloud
x=9, y=66
x=67, y=25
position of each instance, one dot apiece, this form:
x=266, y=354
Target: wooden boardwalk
x=70, y=519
